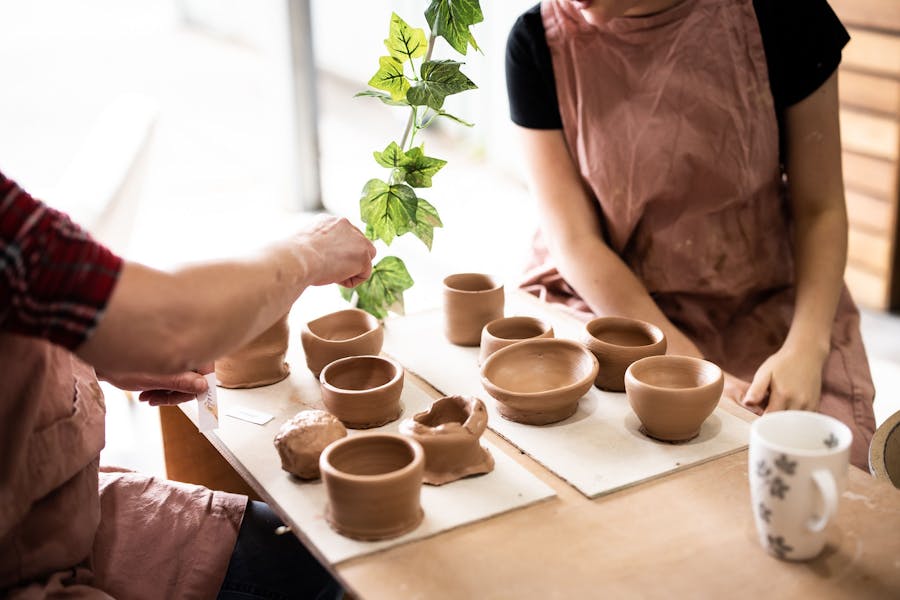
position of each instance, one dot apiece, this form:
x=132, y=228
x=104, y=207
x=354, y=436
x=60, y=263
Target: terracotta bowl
x=507, y=331
x=617, y=342
x=450, y=431
x=673, y=395
x=362, y=391
x=373, y=482
x=539, y=381
x=260, y=362
x=471, y=301
x=350, y=332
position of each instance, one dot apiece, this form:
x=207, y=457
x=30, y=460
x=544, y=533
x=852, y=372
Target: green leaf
x=432, y=115
x=419, y=168
x=392, y=157
x=451, y=20
x=390, y=78
x=404, y=42
x=384, y=289
x=346, y=293
x=386, y=98
x=426, y=220
x=387, y=210
x=439, y=79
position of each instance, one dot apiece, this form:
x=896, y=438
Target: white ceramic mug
x=798, y=470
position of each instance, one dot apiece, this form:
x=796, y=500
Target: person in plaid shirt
x=71, y=310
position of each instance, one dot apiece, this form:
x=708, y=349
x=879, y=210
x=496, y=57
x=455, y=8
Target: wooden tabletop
x=687, y=534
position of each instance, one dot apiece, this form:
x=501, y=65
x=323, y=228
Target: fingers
x=165, y=397
x=758, y=391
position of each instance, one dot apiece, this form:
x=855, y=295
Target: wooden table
x=688, y=534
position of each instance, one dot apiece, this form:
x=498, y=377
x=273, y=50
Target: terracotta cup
x=617, y=342
x=260, y=362
x=673, y=395
x=350, y=332
x=373, y=482
x=539, y=381
x=363, y=391
x=471, y=301
x=450, y=431
x=507, y=331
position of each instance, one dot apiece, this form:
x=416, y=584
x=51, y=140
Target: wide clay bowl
x=362, y=391
x=450, y=431
x=373, y=482
x=507, y=331
x=471, y=301
x=539, y=381
x=673, y=395
x=350, y=332
x=617, y=342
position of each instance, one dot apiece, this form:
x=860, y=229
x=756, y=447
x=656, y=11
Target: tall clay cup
x=617, y=342
x=260, y=362
x=373, y=482
x=350, y=332
x=507, y=331
x=449, y=432
x=471, y=301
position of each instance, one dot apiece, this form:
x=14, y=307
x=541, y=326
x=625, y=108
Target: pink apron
x=671, y=122
x=67, y=530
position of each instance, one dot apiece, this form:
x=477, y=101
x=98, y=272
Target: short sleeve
x=803, y=40
x=529, y=74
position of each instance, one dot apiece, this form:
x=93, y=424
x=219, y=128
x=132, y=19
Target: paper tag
x=249, y=415
x=208, y=406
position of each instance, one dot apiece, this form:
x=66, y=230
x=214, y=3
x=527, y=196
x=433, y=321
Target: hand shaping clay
x=259, y=363
x=302, y=439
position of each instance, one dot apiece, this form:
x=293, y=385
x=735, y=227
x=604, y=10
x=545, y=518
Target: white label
x=249, y=415
x=208, y=406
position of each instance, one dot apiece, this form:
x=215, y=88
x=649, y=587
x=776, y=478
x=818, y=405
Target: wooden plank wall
x=870, y=134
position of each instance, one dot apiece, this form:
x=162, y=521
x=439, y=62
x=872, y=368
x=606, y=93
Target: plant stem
x=411, y=123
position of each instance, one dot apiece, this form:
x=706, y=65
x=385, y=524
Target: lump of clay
x=302, y=439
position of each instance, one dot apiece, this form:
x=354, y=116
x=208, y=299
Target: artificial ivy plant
x=408, y=77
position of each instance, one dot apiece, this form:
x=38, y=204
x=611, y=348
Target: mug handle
x=824, y=481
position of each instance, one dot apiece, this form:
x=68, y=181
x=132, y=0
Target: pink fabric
x=67, y=531
x=671, y=123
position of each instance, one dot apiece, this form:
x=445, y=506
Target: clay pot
x=507, y=331
x=260, y=362
x=617, y=342
x=363, y=391
x=471, y=301
x=539, y=381
x=373, y=482
x=350, y=332
x=302, y=439
x=449, y=432
x=673, y=395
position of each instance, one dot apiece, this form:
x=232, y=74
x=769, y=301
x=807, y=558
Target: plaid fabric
x=55, y=280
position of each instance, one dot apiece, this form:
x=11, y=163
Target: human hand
x=734, y=389
x=160, y=390
x=335, y=252
x=787, y=380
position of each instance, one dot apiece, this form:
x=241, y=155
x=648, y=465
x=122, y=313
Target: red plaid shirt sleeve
x=55, y=280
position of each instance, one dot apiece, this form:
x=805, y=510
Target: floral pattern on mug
x=785, y=465
x=765, y=513
x=831, y=441
x=779, y=547
x=777, y=486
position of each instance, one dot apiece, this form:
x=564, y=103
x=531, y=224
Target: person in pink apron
x=685, y=157
x=68, y=306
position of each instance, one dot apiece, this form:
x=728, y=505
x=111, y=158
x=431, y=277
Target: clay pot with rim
x=362, y=391
x=617, y=342
x=350, y=332
x=673, y=395
x=373, y=482
x=260, y=362
x=471, y=301
x=450, y=431
x=507, y=331
x=540, y=381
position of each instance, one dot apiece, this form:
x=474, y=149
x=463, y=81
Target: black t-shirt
x=802, y=39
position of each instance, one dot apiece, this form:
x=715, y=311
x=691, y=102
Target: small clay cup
x=617, y=342
x=260, y=362
x=539, y=381
x=673, y=395
x=449, y=432
x=350, y=332
x=362, y=391
x=373, y=482
x=471, y=301
x=507, y=331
